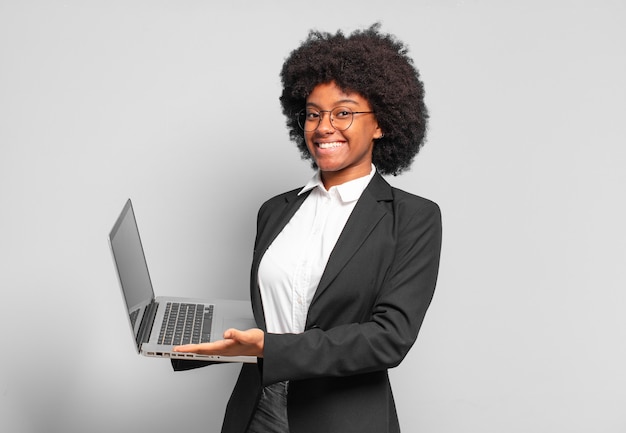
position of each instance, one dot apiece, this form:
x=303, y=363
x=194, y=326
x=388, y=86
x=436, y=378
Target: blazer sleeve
x=337, y=344
x=190, y=364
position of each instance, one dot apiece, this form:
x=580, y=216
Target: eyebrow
x=338, y=103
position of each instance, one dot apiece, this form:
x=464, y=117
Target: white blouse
x=292, y=267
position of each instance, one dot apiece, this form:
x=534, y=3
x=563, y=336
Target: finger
x=186, y=348
x=216, y=345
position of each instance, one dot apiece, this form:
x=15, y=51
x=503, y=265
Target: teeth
x=329, y=145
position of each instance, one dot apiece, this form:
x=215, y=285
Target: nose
x=325, y=123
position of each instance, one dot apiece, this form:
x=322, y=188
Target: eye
x=312, y=115
x=342, y=113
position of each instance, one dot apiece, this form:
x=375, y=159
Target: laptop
x=159, y=323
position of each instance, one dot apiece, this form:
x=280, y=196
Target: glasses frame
x=302, y=113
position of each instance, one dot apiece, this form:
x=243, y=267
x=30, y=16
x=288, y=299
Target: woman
x=345, y=268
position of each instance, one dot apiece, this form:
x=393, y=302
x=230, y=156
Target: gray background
x=105, y=100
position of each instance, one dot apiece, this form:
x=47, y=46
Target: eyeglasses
x=341, y=118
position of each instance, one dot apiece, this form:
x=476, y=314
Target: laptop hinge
x=145, y=328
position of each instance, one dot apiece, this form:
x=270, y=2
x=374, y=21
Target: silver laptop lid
x=132, y=271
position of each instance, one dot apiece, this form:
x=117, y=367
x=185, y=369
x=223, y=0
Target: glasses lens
x=308, y=119
x=341, y=118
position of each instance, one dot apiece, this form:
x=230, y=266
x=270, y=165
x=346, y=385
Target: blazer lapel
x=275, y=226
x=365, y=216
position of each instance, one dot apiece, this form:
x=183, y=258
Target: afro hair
x=377, y=67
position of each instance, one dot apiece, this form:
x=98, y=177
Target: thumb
x=232, y=334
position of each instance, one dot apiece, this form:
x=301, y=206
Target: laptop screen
x=132, y=268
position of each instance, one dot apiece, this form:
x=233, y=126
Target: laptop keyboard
x=186, y=323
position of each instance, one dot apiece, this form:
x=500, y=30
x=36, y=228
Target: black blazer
x=363, y=319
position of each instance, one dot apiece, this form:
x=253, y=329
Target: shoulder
x=414, y=202
x=399, y=200
x=415, y=214
x=285, y=196
x=280, y=203
x=416, y=219
x=280, y=199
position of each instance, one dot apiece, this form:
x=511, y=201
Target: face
x=341, y=155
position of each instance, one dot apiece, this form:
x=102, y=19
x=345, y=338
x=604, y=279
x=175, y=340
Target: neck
x=334, y=178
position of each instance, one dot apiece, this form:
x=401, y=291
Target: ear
x=378, y=133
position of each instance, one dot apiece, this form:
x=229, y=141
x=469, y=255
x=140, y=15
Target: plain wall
x=175, y=104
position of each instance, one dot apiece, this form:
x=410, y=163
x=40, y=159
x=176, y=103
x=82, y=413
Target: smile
x=329, y=145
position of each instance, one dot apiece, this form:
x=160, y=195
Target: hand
x=235, y=343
